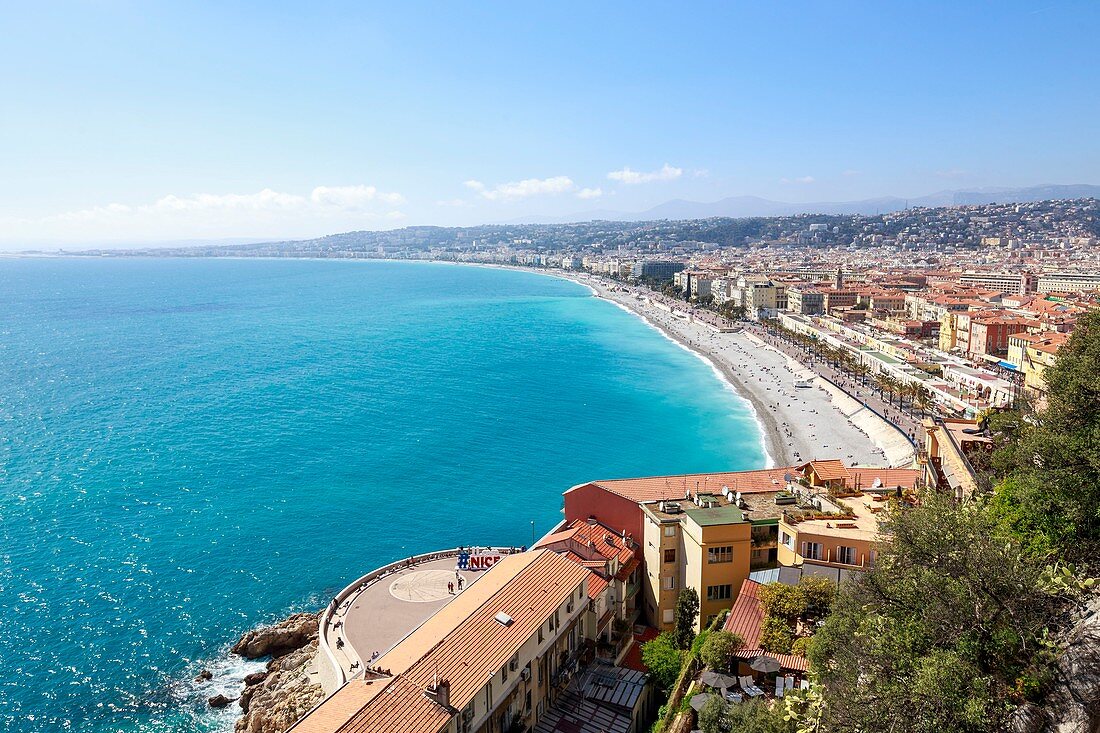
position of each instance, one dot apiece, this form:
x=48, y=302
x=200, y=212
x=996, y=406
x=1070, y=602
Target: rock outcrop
x=1073, y=704
x=219, y=701
x=286, y=694
x=282, y=638
x=274, y=700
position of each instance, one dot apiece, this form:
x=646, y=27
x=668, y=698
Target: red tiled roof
x=745, y=619
x=633, y=657
x=829, y=470
x=746, y=615
x=589, y=541
x=789, y=661
x=890, y=477
x=657, y=488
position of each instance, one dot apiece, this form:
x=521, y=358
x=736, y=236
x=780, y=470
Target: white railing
x=361, y=584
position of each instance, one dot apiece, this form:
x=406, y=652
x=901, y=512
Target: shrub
x=776, y=635
x=663, y=659
x=801, y=646
x=718, y=649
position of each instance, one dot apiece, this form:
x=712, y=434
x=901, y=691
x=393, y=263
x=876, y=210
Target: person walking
x=451, y=588
x=460, y=582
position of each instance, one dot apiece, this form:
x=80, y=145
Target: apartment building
x=805, y=300
x=1032, y=354
x=492, y=659
x=835, y=522
x=1068, y=282
x=1013, y=283
x=659, y=270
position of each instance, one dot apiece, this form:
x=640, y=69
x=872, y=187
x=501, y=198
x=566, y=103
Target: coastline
x=797, y=424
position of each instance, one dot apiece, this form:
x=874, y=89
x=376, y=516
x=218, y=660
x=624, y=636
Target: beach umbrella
x=717, y=679
x=766, y=664
x=698, y=701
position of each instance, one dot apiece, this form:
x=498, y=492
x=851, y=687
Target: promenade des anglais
x=570, y=368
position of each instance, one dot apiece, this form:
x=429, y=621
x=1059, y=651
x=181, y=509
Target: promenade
x=831, y=419
x=370, y=616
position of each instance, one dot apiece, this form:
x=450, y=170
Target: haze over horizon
x=130, y=123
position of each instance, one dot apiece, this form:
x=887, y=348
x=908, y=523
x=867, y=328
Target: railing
x=361, y=584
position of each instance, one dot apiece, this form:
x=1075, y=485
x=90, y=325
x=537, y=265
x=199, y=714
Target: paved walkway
x=379, y=616
x=902, y=418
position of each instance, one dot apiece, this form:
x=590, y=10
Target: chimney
x=440, y=693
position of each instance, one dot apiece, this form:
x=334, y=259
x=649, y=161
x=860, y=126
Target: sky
x=124, y=123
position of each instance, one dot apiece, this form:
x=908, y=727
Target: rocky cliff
x=1073, y=704
x=273, y=700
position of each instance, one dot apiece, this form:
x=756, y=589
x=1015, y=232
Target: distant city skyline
x=125, y=123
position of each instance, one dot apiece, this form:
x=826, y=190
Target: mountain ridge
x=751, y=206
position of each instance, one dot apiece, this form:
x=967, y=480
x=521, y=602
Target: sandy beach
x=799, y=423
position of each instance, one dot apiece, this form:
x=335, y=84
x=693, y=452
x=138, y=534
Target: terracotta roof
x=829, y=470
x=790, y=662
x=744, y=620
x=657, y=488
x=590, y=541
x=746, y=615
x=890, y=477
x=462, y=643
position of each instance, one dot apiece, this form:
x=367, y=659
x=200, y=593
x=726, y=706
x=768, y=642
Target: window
x=720, y=554
x=667, y=616
x=719, y=592
x=670, y=531
x=670, y=555
x=787, y=540
x=504, y=674
x=846, y=555
x=541, y=636
x=668, y=582
x=811, y=550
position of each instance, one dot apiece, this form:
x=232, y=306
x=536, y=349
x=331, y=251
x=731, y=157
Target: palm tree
x=923, y=398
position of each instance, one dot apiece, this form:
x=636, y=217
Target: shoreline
x=758, y=373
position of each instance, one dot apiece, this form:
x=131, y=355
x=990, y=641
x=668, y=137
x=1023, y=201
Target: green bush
x=776, y=635
x=718, y=649
x=801, y=645
x=663, y=659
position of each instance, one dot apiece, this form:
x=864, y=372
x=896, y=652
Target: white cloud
x=801, y=179
x=589, y=193
x=526, y=188
x=628, y=176
x=263, y=213
x=353, y=197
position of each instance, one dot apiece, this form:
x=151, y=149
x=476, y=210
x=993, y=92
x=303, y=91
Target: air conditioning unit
x=525, y=674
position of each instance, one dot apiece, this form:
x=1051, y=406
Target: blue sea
x=192, y=447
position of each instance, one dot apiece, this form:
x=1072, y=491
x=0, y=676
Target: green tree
x=687, y=612
x=817, y=596
x=757, y=716
x=663, y=659
x=1050, y=458
x=712, y=718
x=781, y=601
x=718, y=649
x=941, y=634
x=776, y=635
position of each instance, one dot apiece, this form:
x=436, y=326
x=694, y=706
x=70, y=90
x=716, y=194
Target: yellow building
x=1032, y=354
x=835, y=522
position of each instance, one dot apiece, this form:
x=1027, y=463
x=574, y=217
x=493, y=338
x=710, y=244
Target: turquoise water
x=191, y=447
